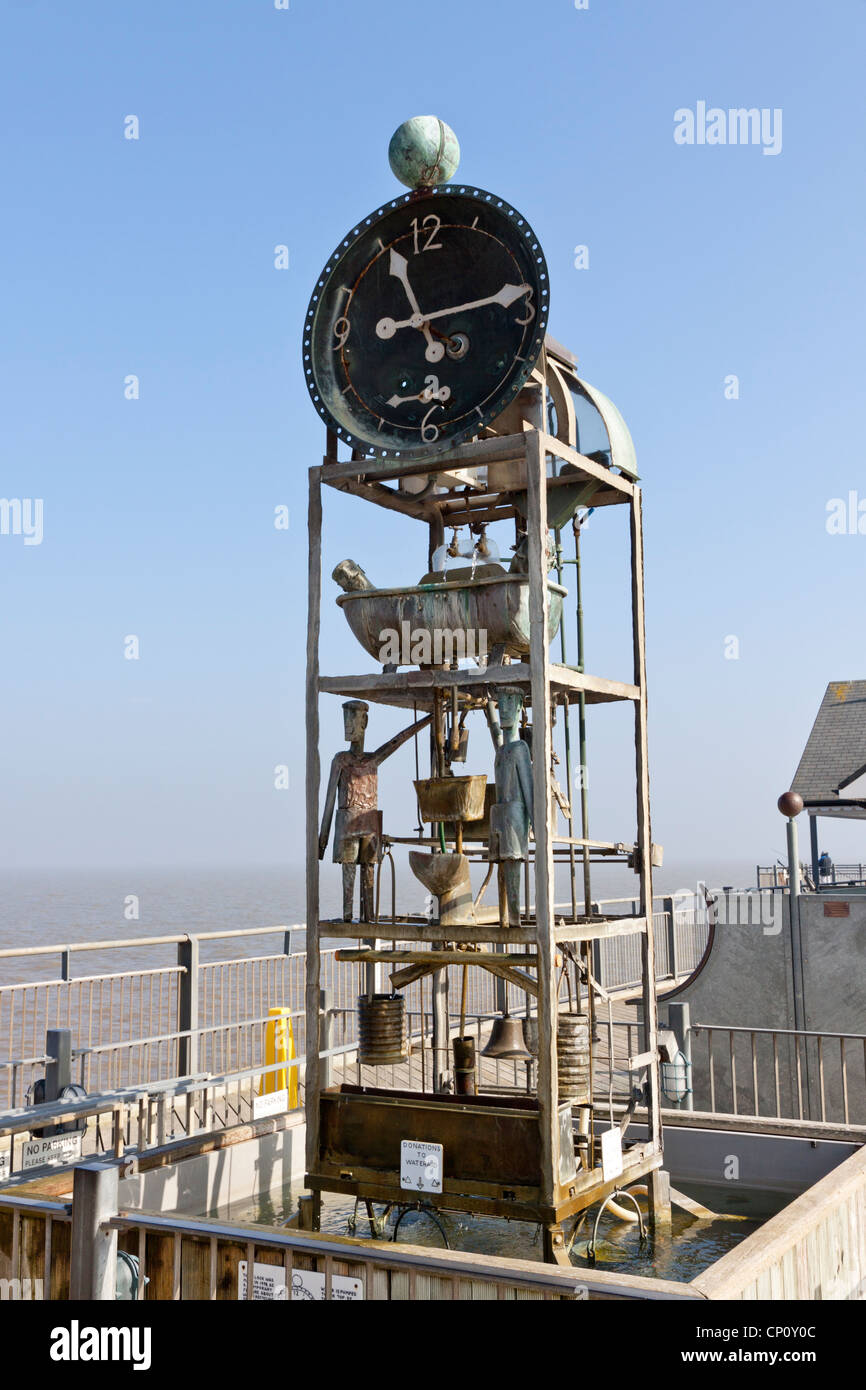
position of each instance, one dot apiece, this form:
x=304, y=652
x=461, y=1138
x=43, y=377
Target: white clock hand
x=431, y=392
x=386, y=328
x=399, y=267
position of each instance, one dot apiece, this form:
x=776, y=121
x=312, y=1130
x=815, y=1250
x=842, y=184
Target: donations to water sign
x=420, y=1166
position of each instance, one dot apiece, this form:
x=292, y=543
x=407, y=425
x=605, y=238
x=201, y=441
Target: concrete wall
x=195, y=1186
x=748, y=983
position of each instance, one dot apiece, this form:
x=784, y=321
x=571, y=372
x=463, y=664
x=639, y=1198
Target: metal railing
x=838, y=875
x=147, y=1025
x=779, y=1073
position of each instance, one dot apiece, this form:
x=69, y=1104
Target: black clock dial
x=426, y=322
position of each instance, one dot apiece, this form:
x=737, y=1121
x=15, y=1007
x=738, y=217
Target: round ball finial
x=423, y=152
x=790, y=804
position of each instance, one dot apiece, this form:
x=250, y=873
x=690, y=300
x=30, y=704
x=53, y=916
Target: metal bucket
x=573, y=1059
x=382, y=1034
x=451, y=798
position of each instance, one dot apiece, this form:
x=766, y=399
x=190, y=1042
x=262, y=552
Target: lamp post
x=791, y=804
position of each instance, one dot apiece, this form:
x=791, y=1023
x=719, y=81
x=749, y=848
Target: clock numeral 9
x=342, y=329
x=530, y=309
x=431, y=244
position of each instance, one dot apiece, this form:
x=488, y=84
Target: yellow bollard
x=280, y=1047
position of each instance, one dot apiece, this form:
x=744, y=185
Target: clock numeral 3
x=530, y=309
x=431, y=244
x=342, y=329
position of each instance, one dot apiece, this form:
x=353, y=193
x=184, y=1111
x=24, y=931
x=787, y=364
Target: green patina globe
x=424, y=152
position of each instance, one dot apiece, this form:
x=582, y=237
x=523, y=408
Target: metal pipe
x=581, y=706
x=567, y=736
x=796, y=939
x=797, y=942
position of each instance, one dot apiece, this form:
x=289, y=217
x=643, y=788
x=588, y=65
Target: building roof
x=835, y=755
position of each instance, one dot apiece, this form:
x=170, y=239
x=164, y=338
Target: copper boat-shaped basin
x=478, y=615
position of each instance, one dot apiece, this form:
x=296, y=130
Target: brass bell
x=507, y=1042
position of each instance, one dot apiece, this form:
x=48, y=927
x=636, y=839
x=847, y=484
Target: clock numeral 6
x=342, y=329
x=530, y=309
x=431, y=244
x=430, y=433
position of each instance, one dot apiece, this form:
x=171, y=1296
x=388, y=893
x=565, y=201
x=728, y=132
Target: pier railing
x=837, y=876
x=165, y=1018
x=779, y=1073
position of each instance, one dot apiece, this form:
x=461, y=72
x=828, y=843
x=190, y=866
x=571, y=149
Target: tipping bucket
x=382, y=1035
x=572, y=1059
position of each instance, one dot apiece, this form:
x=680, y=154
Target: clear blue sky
x=155, y=257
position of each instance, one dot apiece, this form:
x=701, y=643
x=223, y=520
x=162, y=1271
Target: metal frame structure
x=537, y=464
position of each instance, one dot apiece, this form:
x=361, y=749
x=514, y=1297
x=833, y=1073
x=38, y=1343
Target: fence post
x=326, y=1036
x=58, y=1072
x=668, y=909
x=187, y=1006
x=93, y=1262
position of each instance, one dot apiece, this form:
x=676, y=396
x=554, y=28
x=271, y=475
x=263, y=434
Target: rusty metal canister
x=382, y=1033
x=573, y=1059
x=464, y=1066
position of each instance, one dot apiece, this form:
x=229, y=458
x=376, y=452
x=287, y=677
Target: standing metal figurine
x=354, y=787
x=512, y=814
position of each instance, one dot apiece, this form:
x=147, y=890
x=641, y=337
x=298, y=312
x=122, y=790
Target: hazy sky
x=154, y=257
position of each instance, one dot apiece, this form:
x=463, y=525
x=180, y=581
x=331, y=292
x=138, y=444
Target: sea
x=59, y=907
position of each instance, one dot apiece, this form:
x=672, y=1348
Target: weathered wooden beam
x=600, y=930
x=540, y=670
x=433, y=958
x=312, y=992
x=401, y=978
x=644, y=828
x=474, y=455
x=592, y=929
x=426, y=931
x=417, y=685
x=587, y=466
x=383, y=496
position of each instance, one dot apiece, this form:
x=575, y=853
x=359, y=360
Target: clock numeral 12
x=431, y=244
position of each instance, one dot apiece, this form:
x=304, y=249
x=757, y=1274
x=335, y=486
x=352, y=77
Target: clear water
x=691, y=1247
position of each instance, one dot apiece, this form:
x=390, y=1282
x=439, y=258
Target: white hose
x=622, y=1213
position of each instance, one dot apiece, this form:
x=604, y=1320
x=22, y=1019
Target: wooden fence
x=186, y=1259
x=813, y=1249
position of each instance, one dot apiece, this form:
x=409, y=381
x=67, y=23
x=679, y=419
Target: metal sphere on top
x=424, y=152
x=790, y=804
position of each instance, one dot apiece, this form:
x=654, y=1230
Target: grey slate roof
x=836, y=750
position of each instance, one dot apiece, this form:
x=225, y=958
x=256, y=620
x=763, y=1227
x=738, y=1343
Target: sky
x=155, y=258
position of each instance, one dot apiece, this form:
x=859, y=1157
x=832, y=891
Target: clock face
x=426, y=322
